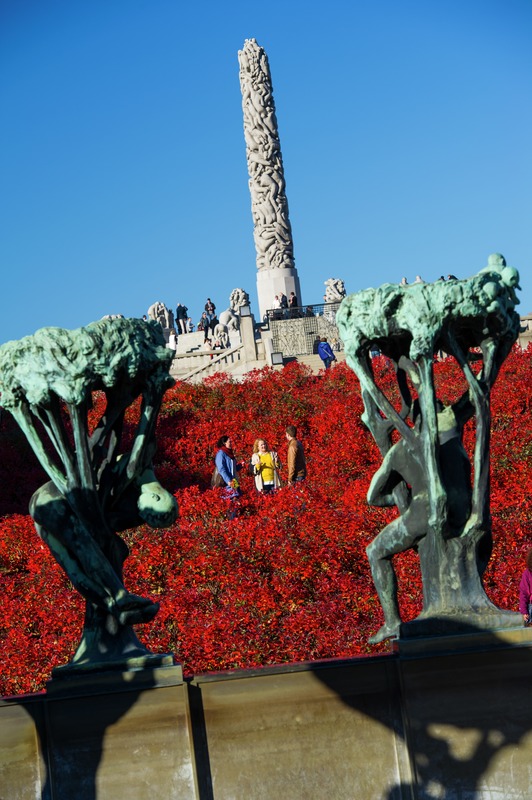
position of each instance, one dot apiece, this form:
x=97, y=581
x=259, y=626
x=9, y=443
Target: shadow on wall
x=72, y=733
x=444, y=718
x=464, y=709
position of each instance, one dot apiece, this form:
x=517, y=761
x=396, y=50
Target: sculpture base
x=145, y=661
x=446, y=717
x=274, y=281
x=460, y=621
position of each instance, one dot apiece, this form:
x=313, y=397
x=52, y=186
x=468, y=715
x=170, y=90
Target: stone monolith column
x=276, y=271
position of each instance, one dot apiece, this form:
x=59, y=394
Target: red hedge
x=287, y=579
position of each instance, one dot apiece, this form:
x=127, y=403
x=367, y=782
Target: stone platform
x=437, y=718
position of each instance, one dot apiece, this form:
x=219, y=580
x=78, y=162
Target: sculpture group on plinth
x=443, y=500
x=229, y=320
x=98, y=486
x=334, y=290
x=161, y=314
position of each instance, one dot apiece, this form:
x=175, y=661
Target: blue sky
x=405, y=129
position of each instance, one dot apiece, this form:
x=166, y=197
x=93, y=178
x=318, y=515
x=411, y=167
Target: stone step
x=314, y=361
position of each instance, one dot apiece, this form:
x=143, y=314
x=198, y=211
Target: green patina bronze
x=443, y=513
x=97, y=487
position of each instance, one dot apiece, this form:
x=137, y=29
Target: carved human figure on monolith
x=272, y=231
x=273, y=234
x=99, y=487
x=427, y=472
x=163, y=315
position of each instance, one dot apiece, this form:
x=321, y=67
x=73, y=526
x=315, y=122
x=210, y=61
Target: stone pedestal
x=304, y=734
x=23, y=769
x=111, y=735
x=247, y=334
x=274, y=281
x=468, y=710
x=442, y=717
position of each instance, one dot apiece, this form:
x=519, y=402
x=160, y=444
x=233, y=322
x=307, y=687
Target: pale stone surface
x=449, y=718
x=271, y=282
x=131, y=744
x=109, y=737
x=269, y=207
x=307, y=734
x=334, y=290
x=22, y=760
x=273, y=235
x=469, y=723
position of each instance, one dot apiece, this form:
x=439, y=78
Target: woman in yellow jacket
x=265, y=463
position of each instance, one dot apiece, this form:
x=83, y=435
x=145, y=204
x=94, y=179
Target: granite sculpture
x=99, y=486
x=237, y=299
x=334, y=290
x=272, y=230
x=161, y=314
x=444, y=513
x=221, y=335
x=231, y=316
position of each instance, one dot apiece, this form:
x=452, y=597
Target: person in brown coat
x=297, y=466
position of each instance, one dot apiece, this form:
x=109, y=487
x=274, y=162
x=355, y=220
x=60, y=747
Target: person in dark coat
x=325, y=352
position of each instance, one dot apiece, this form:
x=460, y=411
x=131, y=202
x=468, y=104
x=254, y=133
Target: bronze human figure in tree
x=98, y=486
x=426, y=474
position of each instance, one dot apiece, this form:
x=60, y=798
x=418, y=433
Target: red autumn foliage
x=285, y=580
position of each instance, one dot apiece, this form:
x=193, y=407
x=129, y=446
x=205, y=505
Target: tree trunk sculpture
x=426, y=473
x=96, y=487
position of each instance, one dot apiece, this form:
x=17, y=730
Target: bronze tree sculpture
x=443, y=512
x=97, y=487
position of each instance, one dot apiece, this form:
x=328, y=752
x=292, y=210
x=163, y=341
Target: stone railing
x=297, y=331
x=396, y=723
x=525, y=335
x=290, y=332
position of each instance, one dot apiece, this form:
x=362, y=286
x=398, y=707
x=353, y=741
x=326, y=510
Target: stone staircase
x=193, y=362
x=314, y=361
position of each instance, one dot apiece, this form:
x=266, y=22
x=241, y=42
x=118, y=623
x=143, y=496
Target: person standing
x=325, y=352
x=265, y=464
x=210, y=315
x=292, y=304
x=525, y=590
x=227, y=478
x=203, y=325
x=276, y=312
x=172, y=340
x=297, y=465
x=227, y=467
x=181, y=314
